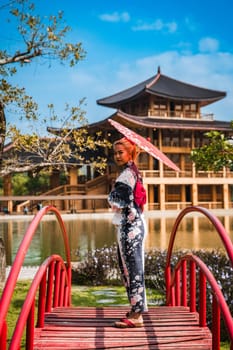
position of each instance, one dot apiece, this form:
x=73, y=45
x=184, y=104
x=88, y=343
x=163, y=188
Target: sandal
x=128, y=323
x=132, y=321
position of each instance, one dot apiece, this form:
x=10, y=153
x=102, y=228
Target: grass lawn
x=83, y=296
x=107, y=296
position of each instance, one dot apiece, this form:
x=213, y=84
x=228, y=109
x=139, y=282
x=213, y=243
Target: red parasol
x=144, y=144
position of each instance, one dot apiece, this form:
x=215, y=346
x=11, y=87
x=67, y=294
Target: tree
x=42, y=37
x=215, y=155
x=71, y=146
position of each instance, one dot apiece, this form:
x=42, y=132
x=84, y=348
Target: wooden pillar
x=151, y=160
x=183, y=195
x=225, y=196
x=182, y=162
x=214, y=195
x=194, y=194
x=54, y=179
x=162, y=197
x=147, y=197
x=7, y=191
x=73, y=176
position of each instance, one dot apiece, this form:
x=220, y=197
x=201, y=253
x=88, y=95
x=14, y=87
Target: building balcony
x=180, y=115
x=186, y=177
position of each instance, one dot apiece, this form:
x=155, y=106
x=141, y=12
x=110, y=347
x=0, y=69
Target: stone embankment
x=26, y=272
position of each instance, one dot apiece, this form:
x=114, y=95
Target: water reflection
x=88, y=233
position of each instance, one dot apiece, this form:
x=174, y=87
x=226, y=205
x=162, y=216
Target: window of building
x=173, y=193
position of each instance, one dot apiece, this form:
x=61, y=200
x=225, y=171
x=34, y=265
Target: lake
x=92, y=231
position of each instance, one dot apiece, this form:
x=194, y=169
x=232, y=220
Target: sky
x=125, y=42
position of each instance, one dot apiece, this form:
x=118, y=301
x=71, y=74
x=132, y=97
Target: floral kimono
x=131, y=232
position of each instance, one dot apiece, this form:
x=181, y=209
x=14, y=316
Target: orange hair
x=129, y=146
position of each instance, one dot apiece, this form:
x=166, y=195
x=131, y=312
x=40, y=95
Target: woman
x=131, y=232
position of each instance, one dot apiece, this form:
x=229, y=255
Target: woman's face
x=121, y=155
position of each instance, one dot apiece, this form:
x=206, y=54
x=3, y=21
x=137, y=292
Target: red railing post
x=168, y=284
x=177, y=287
x=192, y=286
x=30, y=328
x=184, y=284
x=69, y=273
x=215, y=324
x=41, y=303
x=202, y=300
x=50, y=286
x=56, y=283
x=61, y=289
x=3, y=335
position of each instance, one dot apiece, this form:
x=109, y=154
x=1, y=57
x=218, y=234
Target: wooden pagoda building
x=168, y=111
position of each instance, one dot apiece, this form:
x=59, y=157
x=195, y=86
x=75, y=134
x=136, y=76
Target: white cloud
x=208, y=45
x=205, y=70
x=115, y=17
x=157, y=25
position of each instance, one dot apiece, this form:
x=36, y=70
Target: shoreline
x=109, y=214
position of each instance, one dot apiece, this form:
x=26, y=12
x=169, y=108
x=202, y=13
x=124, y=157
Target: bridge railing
x=52, y=280
x=182, y=288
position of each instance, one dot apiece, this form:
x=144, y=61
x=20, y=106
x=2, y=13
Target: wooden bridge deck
x=92, y=328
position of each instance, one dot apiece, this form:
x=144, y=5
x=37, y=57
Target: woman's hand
x=115, y=208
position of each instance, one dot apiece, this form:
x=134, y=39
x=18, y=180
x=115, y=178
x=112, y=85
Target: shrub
x=100, y=267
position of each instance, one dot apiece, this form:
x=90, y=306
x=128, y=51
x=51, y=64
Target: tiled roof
x=163, y=86
x=162, y=123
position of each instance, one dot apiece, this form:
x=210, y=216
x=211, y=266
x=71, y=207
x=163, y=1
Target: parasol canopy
x=144, y=144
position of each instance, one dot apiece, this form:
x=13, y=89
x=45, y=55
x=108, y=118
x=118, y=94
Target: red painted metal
x=202, y=299
x=29, y=302
x=184, y=284
x=3, y=336
x=177, y=287
x=206, y=275
x=18, y=262
x=30, y=327
x=91, y=328
x=41, y=302
x=170, y=285
x=215, y=221
x=215, y=323
x=57, y=284
x=192, y=287
x=48, y=306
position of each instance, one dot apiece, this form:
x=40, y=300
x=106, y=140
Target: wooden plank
x=164, y=328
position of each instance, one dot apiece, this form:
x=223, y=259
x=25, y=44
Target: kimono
x=131, y=233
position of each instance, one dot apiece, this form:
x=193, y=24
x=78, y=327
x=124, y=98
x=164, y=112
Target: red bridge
x=48, y=320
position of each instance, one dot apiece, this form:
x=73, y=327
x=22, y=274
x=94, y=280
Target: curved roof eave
x=162, y=123
x=166, y=87
x=125, y=95
x=207, y=100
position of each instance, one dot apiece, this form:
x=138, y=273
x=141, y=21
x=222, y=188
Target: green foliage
x=97, y=267
x=215, y=155
x=22, y=184
x=43, y=37
x=19, y=184
x=100, y=267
